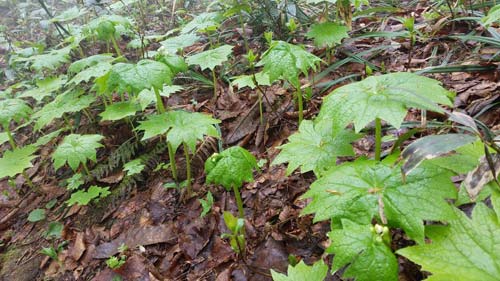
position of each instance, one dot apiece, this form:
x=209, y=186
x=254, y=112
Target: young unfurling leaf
x=231, y=167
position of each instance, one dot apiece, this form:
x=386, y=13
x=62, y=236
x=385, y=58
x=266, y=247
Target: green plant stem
x=214, y=78
x=115, y=45
x=11, y=139
x=378, y=138
x=239, y=202
x=301, y=104
x=188, y=170
x=159, y=102
x=28, y=180
x=243, y=33
x=171, y=156
x=87, y=171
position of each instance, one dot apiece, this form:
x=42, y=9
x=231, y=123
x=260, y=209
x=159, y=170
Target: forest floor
x=167, y=238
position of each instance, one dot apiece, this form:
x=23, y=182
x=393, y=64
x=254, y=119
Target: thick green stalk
x=378, y=138
x=239, y=202
x=11, y=139
x=188, y=170
x=115, y=45
x=87, y=171
x=173, y=166
x=159, y=102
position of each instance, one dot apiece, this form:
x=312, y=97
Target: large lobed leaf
x=211, y=58
x=180, y=127
x=301, y=272
x=231, y=167
x=13, y=110
x=387, y=97
x=76, y=149
x=315, y=147
x=466, y=249
x=16, y=161
x=365, y=250
x=286, y=61
x=133, y=78
x=327, y=34
x=352, y=191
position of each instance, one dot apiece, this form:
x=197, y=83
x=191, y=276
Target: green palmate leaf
x=182, y=127
x=286, y=61
x=4, y=137
x=466, y=249
x=76, y=149
x=387, y=97
x=36, y=215
x=201, y=22
x=50, y=60
x=211, y=58
x=300, y=272
x=181, y=41
x=120, y=110
x=133, y=167
x=169, y=90
x=247, y=80
x=70, y=14
x=355, y=190
x=366, y=249
x=231, y=167
x=13, y=109
x=54, y=230
x=84, y=197
x=93, y=71
x=109, y=25
x=87, y=62
x=68, y=102
x=133, y=78
x=75, y=181
x=175, y=62
x=45, y=87
x=315, y=147
x=327, y=34
x=16, y=161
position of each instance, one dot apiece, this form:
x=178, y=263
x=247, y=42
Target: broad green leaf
x=50, y=60
x=97, y=70
x=492, y=17
x=463, y=160
x=75, y=181
x=231, y=167
x=366, y=250
x=13, y=109
x=133, y=78
x=120, y=110
x=54, y=230
x=16, y=161
x=189, y=127
x=352, y=191
x=36, y=215
x=44, y=88
x=4, y=137
x=180, y=127
x=76, y=149
x=48, y=137
x=206, y=204
x=173, y=44
x=82, y=198
x=201, y=22
x=286, y=61
x=211, y=58
x=327, y=34
x=315, y=147
x=146, y=97
x=174, y=62
x=87, y=62
x=247, y=80
x=301, y=272
x=169, y=90
x=68, y=102
x=102, y=26
x=466, y=249
x=431, y=147
x=70, y=14
x=387, y=97
x=133, y=167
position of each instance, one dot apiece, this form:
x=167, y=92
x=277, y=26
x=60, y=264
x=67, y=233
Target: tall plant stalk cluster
x=108, y=70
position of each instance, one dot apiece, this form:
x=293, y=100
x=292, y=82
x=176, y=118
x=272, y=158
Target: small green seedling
x=287, y=61
x=75, y=150
x=210, y=59
x=236, y=236
x=206, y=204
x=115, y=262
x=301, y=271
x=230, y=169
